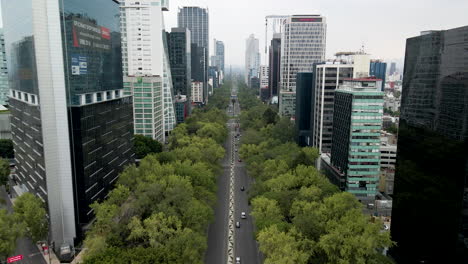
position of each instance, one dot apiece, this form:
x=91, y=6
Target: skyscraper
x=72, y=125
x=274, y=65
x=252, y=58
x=197, y=21
x=302, y=45
x=4, y=88
x=304, y=101
x=180, y=58
x=355, y=150
x=392, y=68
x=327, y=78
x=146, y=67
x=430, y=208
x=219, y=54
x=378, y=69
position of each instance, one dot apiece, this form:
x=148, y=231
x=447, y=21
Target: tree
x=30, y=211
x=4, y=171
x=145, y=145
x=281, y=247
x=6, y=149
x=266, y=212
x=10, y=231
x=269, y=116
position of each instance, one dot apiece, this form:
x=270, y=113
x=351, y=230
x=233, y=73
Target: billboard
x=89, y=35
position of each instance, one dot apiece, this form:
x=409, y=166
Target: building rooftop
x=367, y=79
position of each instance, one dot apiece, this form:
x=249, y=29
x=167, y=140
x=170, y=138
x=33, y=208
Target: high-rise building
x=430, y=206
x=327, y=78
x=252, y=58
x=180, y=58
x=145, y=54
x=355, y=150
x=197, y=21
x=304, y=100
x=264, y=92
x=378, y=69
x=302, y=45
x=182, y=107
x=72, y=125
x=218, y=55
x=274, y=64
x=197, y=92
x=4, y=88
x=392, y=68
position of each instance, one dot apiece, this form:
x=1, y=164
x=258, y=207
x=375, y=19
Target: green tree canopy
x=146, y=145
x=30, y=211
x=4, y=171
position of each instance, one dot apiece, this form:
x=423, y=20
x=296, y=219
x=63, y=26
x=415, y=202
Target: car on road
x=243, y=215
x=240, y=160
x=238, y=260
x=242, y=188
x=236, y=150
x=238, y=224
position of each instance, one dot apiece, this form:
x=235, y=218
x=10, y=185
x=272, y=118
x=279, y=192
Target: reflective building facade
x=430, y=206
x=71, y=124
x=4, y=88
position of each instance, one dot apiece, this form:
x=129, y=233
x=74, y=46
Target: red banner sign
x=14, y=259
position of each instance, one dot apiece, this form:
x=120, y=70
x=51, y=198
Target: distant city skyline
x=382, y=26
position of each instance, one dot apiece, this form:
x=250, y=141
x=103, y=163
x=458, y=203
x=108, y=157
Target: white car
x=243, y=216
x=238, y=260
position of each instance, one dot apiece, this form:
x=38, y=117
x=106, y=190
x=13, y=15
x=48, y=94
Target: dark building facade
x=274, y=65
x=72, y=127
x=304, y=102
x=196, y=19
x=180, y=59
x=378, y=69
x=196, y=63
x=430, y=205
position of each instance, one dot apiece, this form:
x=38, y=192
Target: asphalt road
x=245, y=246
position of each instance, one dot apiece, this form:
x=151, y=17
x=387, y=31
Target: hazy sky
x=381, y=25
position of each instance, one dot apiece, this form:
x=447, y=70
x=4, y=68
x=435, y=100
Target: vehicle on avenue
x=243, y=216
x=238, y=260
x=240, y=160
x=238, y=224
x=242, y=188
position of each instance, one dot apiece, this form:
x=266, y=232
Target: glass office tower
x=355, y=149
x=72, y=126
x=430, y=206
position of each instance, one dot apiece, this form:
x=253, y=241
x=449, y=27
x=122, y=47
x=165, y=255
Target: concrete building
x=196, y=19
x=197, y=92
x=145, y=54
x=252, y=58
x=274, y=65
x=357, y=121
x=4, y=88
x=378, y=69
x=180, y=59
x=263, y=76
x=302, y=44
x=71, y=123
x=392, y=68
x=430, y=200
x=327, y=78
x=388, y=154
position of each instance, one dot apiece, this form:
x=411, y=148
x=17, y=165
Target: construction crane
x=276, y=26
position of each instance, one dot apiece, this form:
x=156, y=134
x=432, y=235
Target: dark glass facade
x=430, y=206
x=304, y=102
x=100, y=121
x=180, y=60
x=196, y=63
x=378, y=69
x=274, y=65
